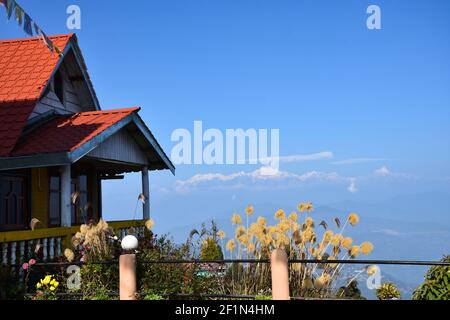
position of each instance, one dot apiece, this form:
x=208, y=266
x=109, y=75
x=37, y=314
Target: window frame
x=54, y=174
x=25, y=197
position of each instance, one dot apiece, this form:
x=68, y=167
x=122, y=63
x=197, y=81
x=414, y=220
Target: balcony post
x=66, y=206
x=146, y=193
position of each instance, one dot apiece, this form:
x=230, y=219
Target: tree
x=436, y=285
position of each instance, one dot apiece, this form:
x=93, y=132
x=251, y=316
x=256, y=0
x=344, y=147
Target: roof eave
x=64, y=158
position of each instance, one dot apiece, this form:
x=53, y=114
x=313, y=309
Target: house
x=57, y=146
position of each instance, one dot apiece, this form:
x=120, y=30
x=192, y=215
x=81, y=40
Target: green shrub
x=211, y=250
x=170, y=278
x=388, y=291
x=99, y=280
x=153, y=296
x=10, y=288
x=436, y=285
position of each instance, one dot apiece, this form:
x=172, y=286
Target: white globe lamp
x=129, y=243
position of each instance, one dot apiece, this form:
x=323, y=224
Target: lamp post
x=127, y=268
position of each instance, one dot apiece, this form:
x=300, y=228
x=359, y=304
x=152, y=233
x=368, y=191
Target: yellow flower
x=336, y=240
x=293, y=217
x=236, y=219
x=251, y=247
x=354, y=252
x=280, y=214
x=149, y=224
x=347, y=243
x=308, y=235
x=52, y=288
x=38, y=285
x=230, y=245
x=284, y=226
x=249, y=210
x=261, y=221
x=244, y=239
x=316, y=253
x=309, y=222
x=327, y=236
x=366, y=248
x=332, y=265
x=69, y=255
x=282, y=239
x=47, y=280
x=255, y=229
x=221, y=234
x=301, y=207
x=353, y=218
x=239, y=231
x=323, y=281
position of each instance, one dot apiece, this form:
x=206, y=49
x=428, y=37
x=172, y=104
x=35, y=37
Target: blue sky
x=310, y=68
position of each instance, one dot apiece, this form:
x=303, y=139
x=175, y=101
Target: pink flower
x=32, y=262
x=25, y=266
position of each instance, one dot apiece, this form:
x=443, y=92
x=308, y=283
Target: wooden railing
x=17, y=246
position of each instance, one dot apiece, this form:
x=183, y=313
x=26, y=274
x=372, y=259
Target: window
x=80, y=205
x=13, y=202
x=58, y=86
x=55, y=200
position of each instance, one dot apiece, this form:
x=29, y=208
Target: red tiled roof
x=26, y=66
x=67, y=133
x=13, y=116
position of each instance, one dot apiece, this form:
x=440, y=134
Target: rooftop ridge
x=38, y=38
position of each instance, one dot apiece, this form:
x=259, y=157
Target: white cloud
x=389, y=232
x=357, y=161
x=382, y=172
x=352, y=187
x=264, y=174
x=300, y=157
x=308, y=157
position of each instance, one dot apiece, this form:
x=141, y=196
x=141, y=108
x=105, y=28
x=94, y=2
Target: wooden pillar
x=66, y=205
x=146, y=192
x=127, y=276
x=280, y=275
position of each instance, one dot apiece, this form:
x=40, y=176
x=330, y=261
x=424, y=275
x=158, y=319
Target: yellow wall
x=39, y=196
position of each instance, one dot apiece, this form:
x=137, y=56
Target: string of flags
x=29, y=26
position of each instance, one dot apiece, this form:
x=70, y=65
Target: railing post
x=280, y=275
x=127, y=269
x=5, y=253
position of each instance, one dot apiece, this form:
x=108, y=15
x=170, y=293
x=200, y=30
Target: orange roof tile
x=67, y=133
x=26, y=66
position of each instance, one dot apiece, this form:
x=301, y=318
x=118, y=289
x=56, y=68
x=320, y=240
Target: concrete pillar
x=127, y=277
x=66, y=205
x=146, y=193
x=280, y=275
